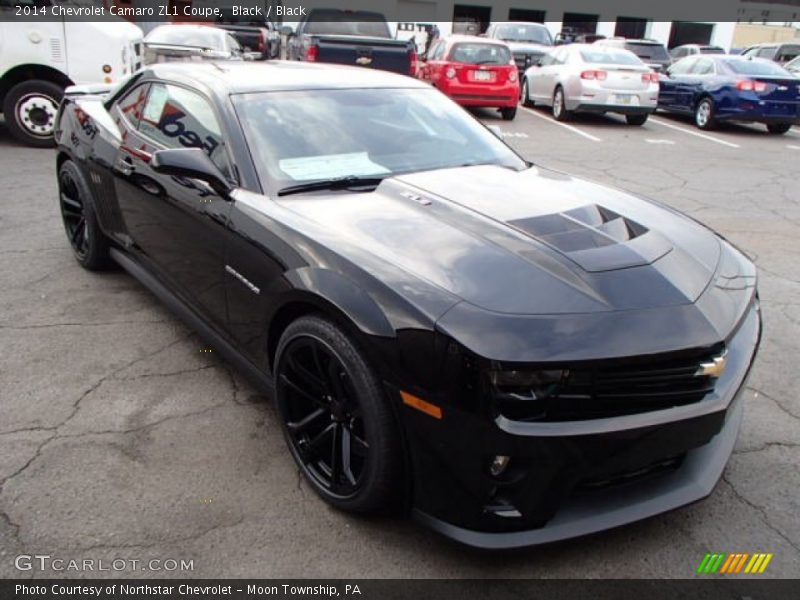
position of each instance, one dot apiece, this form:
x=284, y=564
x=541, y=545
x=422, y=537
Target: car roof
x=237, y=77
x=512, y=23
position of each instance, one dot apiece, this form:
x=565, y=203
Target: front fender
x=345, y=296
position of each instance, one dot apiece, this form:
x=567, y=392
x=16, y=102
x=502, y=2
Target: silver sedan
x=589, y=78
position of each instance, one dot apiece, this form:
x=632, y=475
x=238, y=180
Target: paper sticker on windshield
x=330, y=166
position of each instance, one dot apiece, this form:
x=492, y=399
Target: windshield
x=608, y=56
x=648, y=51
x=304, y=136
x=763, y=68
x=187, y=35
x=537, y=34
x=480, y=54
x=340, y=22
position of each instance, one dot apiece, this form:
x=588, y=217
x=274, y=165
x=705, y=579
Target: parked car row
x=710, y=87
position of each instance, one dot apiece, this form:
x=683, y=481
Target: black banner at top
x=417, y=11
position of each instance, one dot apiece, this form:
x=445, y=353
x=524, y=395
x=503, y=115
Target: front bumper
x=574, y=478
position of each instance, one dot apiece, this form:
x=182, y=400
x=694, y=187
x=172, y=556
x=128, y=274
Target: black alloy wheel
x=336, y=420
x=88, y=243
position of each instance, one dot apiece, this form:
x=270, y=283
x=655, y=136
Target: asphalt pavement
x=122, y=436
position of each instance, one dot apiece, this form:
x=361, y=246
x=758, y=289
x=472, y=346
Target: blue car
x=732, y=88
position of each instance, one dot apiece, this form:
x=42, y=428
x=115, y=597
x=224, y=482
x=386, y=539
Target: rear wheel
x=704, y=114
x=778, y=128
x=336, y=418
x=636, y=119
x=560, y=112
x=89, y=244
x=30, y=109
x=508, y=113
x=525, y=94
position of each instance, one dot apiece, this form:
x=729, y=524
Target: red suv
x=474, y=72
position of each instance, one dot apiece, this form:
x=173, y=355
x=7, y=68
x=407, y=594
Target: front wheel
x=704, y=114
x=525, y=94
x=30, y=109
x=778, y=128
x=636, y=120
x=508, y=113
x=560, y=112
x=336, y=418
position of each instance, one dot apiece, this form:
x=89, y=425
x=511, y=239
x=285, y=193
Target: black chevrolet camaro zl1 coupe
x=514, y=355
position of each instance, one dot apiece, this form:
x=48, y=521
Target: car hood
x=532, y=242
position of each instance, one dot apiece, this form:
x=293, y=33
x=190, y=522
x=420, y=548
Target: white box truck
x=40, y=57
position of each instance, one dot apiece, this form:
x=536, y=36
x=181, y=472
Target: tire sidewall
x=96, y=257
x=381, y=467
x=709, y=124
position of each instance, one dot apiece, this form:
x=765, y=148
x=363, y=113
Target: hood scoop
x=596, y=238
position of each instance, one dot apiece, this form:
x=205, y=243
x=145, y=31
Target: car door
x=696, y=81
x=438, y=63
x=176, y=224
x=550, y=73
x=674, y=84
x=538, y=77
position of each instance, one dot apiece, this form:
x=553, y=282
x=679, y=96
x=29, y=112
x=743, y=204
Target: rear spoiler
x=92, y=89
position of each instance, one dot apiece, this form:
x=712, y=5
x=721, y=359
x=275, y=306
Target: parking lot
x=123, y=436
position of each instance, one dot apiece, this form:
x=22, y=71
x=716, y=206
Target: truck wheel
x=30, y=109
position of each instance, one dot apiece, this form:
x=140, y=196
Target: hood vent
x=596, y=238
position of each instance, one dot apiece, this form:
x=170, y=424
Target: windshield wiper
x=338, y=183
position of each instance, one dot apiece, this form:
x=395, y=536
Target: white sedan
x=590, y=78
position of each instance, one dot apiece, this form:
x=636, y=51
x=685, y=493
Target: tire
x=89, y=245
x=525, y=95
x=704, y=114
x=637, y=120
x=560, y=112
x=778, y=128
x=355, y=415
x=508, y=113
x=30, y=108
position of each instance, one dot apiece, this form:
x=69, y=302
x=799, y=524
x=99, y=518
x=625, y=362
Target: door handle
x=125, y=166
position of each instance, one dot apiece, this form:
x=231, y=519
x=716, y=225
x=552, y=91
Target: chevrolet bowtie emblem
x=363, y=61
x=714, y=368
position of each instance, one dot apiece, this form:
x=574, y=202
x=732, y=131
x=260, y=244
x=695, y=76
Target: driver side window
x=175, y=117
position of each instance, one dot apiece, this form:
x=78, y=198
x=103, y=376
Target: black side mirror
x=193, y=163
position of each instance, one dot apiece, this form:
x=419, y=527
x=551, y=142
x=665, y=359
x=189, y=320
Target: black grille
x=654, y=469
x=610, y=391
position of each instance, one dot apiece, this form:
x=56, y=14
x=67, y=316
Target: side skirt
x=190, y=317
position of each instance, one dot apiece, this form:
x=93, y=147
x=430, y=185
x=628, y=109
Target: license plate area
x=482, y=76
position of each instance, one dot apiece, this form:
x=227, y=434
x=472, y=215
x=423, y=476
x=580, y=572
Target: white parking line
x=792, y=147
x=554, y=122
x=658, y=141
x=694, y=133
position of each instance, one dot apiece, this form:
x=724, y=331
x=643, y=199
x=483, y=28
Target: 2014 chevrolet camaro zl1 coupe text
x=513, y=354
